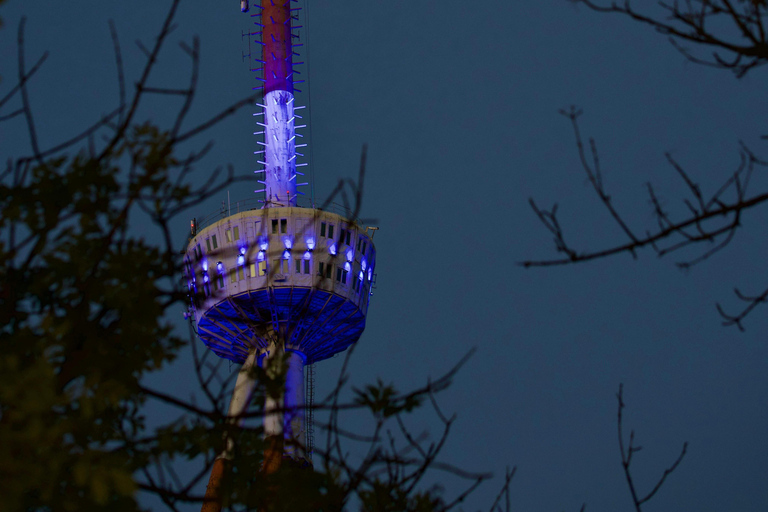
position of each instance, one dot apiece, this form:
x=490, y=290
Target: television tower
x=277, y=284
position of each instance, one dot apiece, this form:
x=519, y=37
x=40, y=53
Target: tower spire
x=279, y=121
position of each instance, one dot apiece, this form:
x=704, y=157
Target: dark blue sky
x=458, y=103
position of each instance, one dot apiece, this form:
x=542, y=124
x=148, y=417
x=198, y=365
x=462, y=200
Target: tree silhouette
x=735, y=30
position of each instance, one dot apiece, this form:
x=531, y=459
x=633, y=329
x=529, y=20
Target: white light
x=310, y=243
x=347, y=267
x=241, y=260
x=370, y=273
x=287, y=242
x=263, y=245
x=350, y=255
x=364, y=263
x=307, y=255
x=332, y=249
x=205, y=265
x=287, y=255
x=242, y=250
x=260, y=256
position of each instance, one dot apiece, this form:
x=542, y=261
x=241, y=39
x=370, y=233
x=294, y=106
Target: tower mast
x=278, y=109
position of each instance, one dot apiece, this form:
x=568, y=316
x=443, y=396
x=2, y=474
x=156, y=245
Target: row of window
x=230, y=234
x=301, y=266
x=233, y=233
x=346, y=234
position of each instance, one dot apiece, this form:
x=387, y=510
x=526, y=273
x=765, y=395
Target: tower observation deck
x=278, y=281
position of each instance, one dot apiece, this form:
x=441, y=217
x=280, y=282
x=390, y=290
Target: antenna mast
x=278, y=113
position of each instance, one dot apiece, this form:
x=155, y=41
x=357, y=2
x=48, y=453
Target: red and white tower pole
x=279, y=112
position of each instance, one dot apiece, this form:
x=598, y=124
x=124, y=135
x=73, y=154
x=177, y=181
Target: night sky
x=458, y=103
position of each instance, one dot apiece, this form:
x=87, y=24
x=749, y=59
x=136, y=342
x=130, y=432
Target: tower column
x=295, y=431
x=284, y=415
x=279, y=117
x=241, y=397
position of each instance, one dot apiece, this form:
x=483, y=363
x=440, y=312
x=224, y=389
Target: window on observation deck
x=330, y=231
x=281, y=266
x=252, y=270
x=302, y=266
x=208, y=244
x=283, y=225
x=228, y=235
x=274, y=226
x=341, y=275
x=263, y=268
x=236, y=232
x=215, y=243
x=322, y=229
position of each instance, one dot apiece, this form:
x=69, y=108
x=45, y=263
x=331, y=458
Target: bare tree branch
x=627, y=453
x=712, y=221
x=737, y=33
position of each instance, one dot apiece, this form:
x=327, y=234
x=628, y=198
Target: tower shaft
x=278, y=107
x=284, y=415
x=277, y=53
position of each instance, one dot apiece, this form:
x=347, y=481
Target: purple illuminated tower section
x=279, y=119
x=275, y=284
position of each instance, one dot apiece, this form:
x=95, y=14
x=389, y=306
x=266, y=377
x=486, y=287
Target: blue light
x=205, y=265
x=332, y=249
x=242, y=250
x=220, y=267
x=307, y=255
x=205, y=277
x=310, y=243
x=361, y=276
x=287, y=255
x=263, y=244
x=260, y=256
x=287, y=242
x=370, y=273
x=350, y=255
x=347, y=267
x=364, y=263
x=241, y=260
